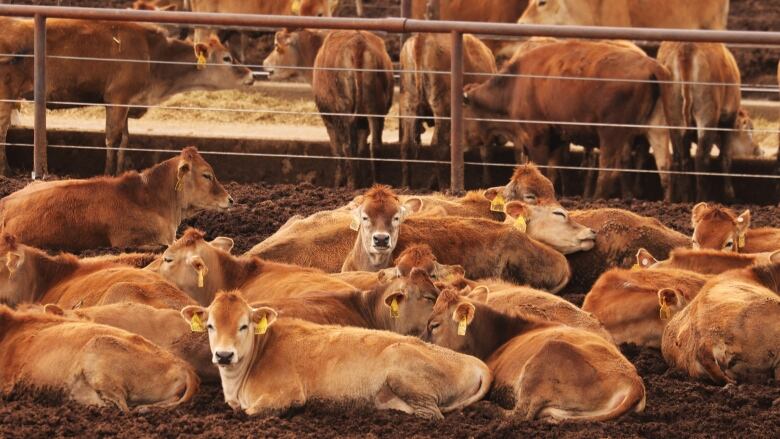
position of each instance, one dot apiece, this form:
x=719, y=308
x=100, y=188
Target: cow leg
x=116, y=125
x=725, y=158
x=441, y=149
x=121, y=164
x=408, y=129
x=6, y=108
x=485, y=149
x=659, y=142
x=612, y=154
x=336, y=139
x=350, y=151
x=702, y=164
x=414, y=394
x=376, y=125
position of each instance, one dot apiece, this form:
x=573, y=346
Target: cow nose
x=591, y=234
x=381, y=240
x=230, y=200
x=224, y=357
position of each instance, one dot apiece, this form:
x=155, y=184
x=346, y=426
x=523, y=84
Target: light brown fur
x=710, y=261
x=717, y=227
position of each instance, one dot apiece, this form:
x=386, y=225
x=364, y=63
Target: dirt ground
x=676, y=405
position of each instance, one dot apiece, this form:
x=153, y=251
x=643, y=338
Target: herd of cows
x=423, y=304
x=598, y=94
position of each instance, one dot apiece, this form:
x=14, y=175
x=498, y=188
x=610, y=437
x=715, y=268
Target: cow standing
x=114, y=83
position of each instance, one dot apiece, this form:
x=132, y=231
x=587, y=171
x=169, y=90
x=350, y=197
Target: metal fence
x=401, y=26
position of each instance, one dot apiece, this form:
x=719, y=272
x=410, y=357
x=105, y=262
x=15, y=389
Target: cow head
x=17, y=274
x=313, y=8
x=420, y=256
x=197, y=186
x=152, y=5
x=449, y=322
x=527, y=184
x=550, y=223
x=216, y=69
x=408, y=302
x=293, y=48
x=718, y=228
x=195, y=265
x=232, y=326
x=558, y=12
x=377, y=217
x=741, y=142
x=671, y=301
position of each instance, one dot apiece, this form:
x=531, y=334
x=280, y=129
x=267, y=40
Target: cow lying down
x=94, y=364
x=552, y=372
x=269, y=366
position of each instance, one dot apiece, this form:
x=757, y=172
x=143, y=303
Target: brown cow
x=426, y=93
x=377, y=217
x=717, y=227
x=131, y=210
x=590, y=380
x=626, y=301
x=695, y=14
x=93, y=364
x=117, y=85
x=702, y=261
x=551, y=224
x=162, y=327
x=706, y=96
x=258, y=358
x=532, y=97
x=28, y=275
x=203, y=268
x=344, y=98
x=415, y=256
x=729, y=332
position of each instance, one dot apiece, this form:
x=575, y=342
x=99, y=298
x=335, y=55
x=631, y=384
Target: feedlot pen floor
x=676, y=405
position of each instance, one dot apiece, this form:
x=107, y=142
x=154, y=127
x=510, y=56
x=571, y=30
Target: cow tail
x=686, y=76
x=360, y=50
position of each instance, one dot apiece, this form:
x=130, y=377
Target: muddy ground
x=676, y=405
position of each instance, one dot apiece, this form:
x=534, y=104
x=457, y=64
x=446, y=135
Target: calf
x=719, y=228
x=93, y=364
x=128, y=211
x=729, y=332
x=706, y=96
x=591, y=380
x=343, y=97
x=551, y=224
x=203, y=268
x=162, y=327
x=28, y=275
x=255, y=351
x=626, y=301
x=583, y=101
x=117, y=85
x=426, y=93
x=377, y=218
x=702, y=261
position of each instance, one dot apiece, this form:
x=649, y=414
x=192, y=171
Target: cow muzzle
x=381, y=242
x=224, y=358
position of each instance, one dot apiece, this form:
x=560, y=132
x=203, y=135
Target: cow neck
x=362, y=260
x=237, y=271
x=48, y=271
x=172, y=78
x=491, y=329
x=309, y=47
x=768, y=276
x=159, y=191
x=373, y=309
x=238, y=377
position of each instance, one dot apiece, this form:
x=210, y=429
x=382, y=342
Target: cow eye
x=208, y=177
x=243, y=327
x=560, y=214
x=168, y=260
x=432, y=326
x=365, y=218
x=431, y=299
x=210, y=327
x=542, y=2
x=227, y=59
x=729, y=244
x=529, y=197
x=398, y=218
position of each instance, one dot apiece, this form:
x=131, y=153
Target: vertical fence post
x=406, y=12
x=456, y=115
x=40, y=165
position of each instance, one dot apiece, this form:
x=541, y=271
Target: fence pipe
x=456, y=115
x=40, y=165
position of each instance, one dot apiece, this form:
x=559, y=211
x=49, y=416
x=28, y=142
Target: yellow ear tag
x=201, y=61
x=355, y=224
x=520, y=224
x=10, y=263
x=394, y=311
x=179, y=185
x=196, y=324
x=262, y=326
x=665, y=313
x=497, y=205
x=201, y=275
x=635, y=267
x=741, y=241
x=462, y=325
x=295, y=8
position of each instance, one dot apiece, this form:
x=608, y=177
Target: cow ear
x=775, y=257
x=270, y=315
x=517, y=209
x=644, y=259
x=410, y=206
x=14, y=261
x=195, y=315
x=491, y=193
x=480, y=294
x=51, y=308
x=201, y=50
x=743, y=222
x=199, y=265
x=668, y=298
x=155, y=264
x=394, y=301
x=356, y=202
x=388, y=274
x=223, y=243
x=698, y=212
x=464, y=312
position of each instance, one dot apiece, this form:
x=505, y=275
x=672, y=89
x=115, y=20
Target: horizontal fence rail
x=392, y=25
